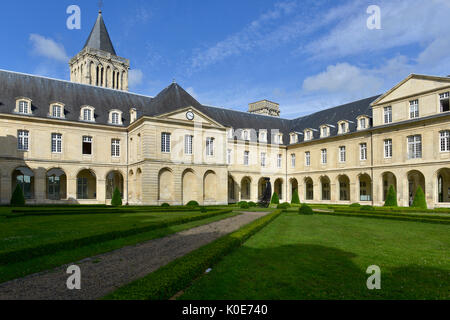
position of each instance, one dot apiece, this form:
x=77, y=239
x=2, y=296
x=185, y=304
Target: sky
x=307, y=55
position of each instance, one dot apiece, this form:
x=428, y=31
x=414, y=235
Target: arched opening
x=245, y=188
x=131, y=185
x=261, y=188
x=165, y=185
x=309, y=189
x=24, y=177
x=326, y=188
x=294, y=186
x=344, y=188
x=190, y=186
x=86, y=185
x=389, y=180
x=415, y=179
x=443, y=185
x=114, y=180
x=233, y=187
x=278, y=188
x=56, y=184
x=365, y=187
x=139, y=184
x=210, y=186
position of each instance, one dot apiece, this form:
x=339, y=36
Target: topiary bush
x=192, y=203
x=165, y=205
x=252, y=204
x=355, y=205
x=419, y=199
x=367, y=208
x=284, y=206
x=117, y=198
x=305, y=209
x=391, y=198
x=17, y=198
x=244, y=205
x=275, y=199
x=295, y=197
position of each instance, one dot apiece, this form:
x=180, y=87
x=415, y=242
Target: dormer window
x=279, y=138
x=56, y=110
x=23, y=106
x=87, y=114
x=262, y=136
x=230, y=133
x=343, y=127
x=133, y=115
x=115, y=117
x=363, y=122
x=324, y=131
x=294, y=138
x=246, y=135
x=308, y=135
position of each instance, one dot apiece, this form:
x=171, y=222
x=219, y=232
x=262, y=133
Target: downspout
x=371, y=167
x=128, y=161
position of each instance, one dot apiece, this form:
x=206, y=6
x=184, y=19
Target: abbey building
x=75, y=142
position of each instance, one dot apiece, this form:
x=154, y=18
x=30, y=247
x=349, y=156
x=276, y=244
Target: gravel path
x=104, y=273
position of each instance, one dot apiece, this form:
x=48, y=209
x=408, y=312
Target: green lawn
x=31, y=231
x=326, y=257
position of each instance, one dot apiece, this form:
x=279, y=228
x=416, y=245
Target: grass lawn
x=326, y=257
x=31, y=231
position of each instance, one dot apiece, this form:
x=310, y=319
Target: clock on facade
x=190, y=115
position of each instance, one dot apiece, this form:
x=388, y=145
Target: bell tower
x=98, y=64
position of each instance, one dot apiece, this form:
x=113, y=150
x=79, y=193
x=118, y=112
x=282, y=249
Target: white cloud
x=48, y=48
x=135, y=77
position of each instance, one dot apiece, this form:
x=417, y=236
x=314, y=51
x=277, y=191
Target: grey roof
x=44, y=91
x=99, y=37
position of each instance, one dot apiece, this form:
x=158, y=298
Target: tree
x=117, y=198
x=295, y=197
x=419, y=199
x=275, y=199
x=391, y=198
x=18, y=198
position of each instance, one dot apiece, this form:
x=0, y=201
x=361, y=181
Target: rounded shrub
x=165, y=205
x=295, y=197
x=419, y=199
x=391, y=198
x=17, y=198
x=305, y=209
x=244, y=205
x=355, y=205
x=192, y=203
x=367, y=208
x=117, y=198
x=252, y=204
x=275, y=199
x=284, y=206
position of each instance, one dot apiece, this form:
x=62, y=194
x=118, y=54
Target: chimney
x=265, y=107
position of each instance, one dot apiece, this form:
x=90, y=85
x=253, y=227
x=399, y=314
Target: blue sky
x=306, y=55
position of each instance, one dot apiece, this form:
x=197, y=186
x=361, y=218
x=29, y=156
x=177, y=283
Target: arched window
x=23, y=106
x=87, y=114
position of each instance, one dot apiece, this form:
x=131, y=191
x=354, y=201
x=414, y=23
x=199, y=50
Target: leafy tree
x=117, y=198
x=419, y=199
x=18, y=198
x=275, y=199
x=391, y=198
x=295, y=197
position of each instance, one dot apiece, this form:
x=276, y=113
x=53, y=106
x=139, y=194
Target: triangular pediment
x=411, y=86
x=190, y=115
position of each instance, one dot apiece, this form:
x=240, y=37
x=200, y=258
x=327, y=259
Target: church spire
x=99, y=38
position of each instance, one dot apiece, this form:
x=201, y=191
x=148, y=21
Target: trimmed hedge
x=354, y=205
x=275, y=199
x=50, y=248
x=284, y=206
x=419, y=199
x=295, y=197
x=165, y=205
x=305, y=209
x=17, y=199
x=192, y=204
x=165, y=282
x=244, y=205
x=367, y=208
x=391, y=198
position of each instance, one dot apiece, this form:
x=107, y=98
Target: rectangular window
x=87, y=145
x=388, y=148
x=343, y=128
x=87, y=115
x=23, y=107
x=23, y=140
x=263, y=159
x=56, y=143
x=246, y=156
x=445, y=101
x=115, y=147
x=342, y=154
x=308, y=135
x=324, y=156
x=56, y=111
x=293, y=160
x=262, y=137
x=445, y=141
x=362, y=123
x=165, y=142
x=115, y=118
x=414, y=109
x=308, y=159
x=388, y=115
x=324, y=132
x=209, y=146
x=363, y=151
x=279, y=161
x=415, y=147
x=188, y=140
x=229, y=156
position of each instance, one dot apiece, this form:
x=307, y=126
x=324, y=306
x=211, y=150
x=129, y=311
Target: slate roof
x=99, y=37
x=44, y=91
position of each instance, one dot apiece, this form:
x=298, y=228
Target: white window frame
x=442, y=97
x=414, y=109
x=279, y=161
x=56, y=143
x=87, y=114
x=87, y=139
x=210, y=146
x=115, y=148
x=188, y=144
x=23, y=140
x=293, y=160
x=414, y=147
x=24, y=107
x=324, y=156
x=115, y=118
x=363, y=152
x=444, y=138
x=362, y=123
x=388, y=149
x=165, y=142
x=387, y=115
x=308, y=158
x=263, y=159
x=246, y=158
x=57, y=111
x=342, y=154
